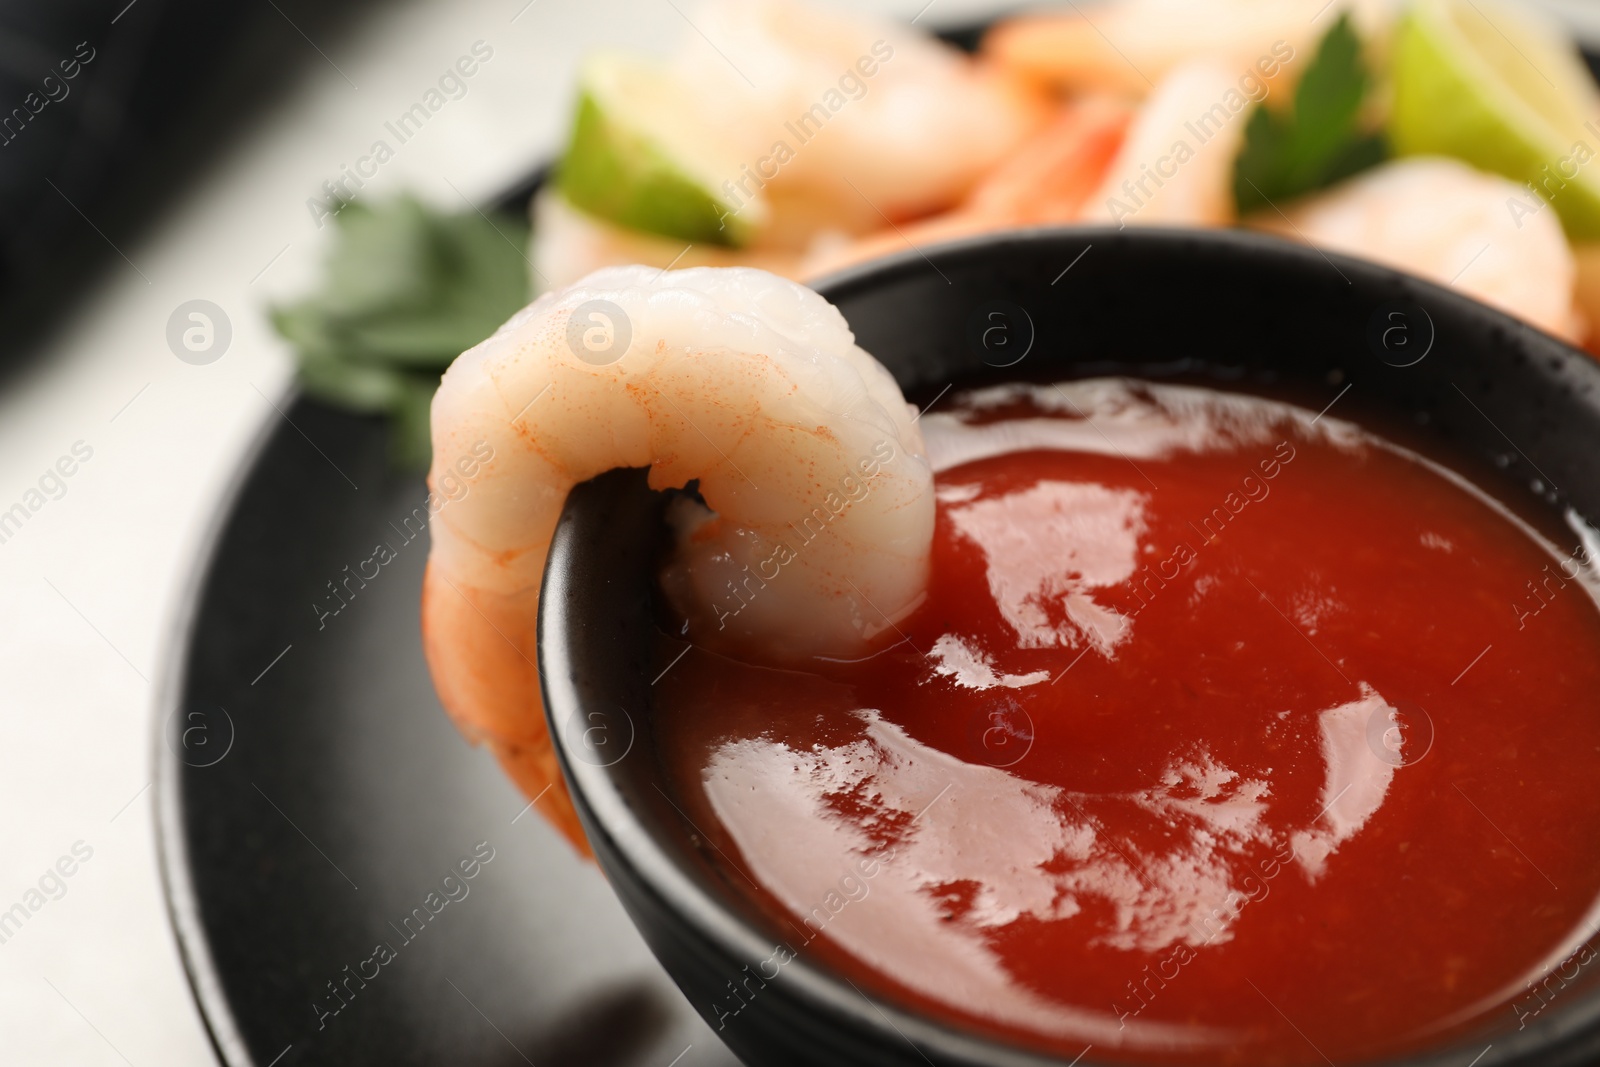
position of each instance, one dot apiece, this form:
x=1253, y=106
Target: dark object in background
x=109, y=108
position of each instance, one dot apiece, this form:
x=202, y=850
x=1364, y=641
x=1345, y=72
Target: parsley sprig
x=406, y=289
x=1320, y=140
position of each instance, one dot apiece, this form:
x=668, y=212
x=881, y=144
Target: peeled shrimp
x=837, y=124
x=1046, y=181
x=570, y=244
x=820, y=519
x=908, y=138
x=1130, y=46
x=1175, y=167
x=1443, y=220
x=1586, y=291
x=1050, y=177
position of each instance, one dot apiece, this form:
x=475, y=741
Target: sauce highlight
x=1225, y=734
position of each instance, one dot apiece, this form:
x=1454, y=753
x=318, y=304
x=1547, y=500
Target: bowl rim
x=621, y=841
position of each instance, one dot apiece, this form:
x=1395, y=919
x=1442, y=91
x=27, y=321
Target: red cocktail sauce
x=1224, y=735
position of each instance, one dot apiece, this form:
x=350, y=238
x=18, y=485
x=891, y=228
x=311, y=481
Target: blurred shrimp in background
x=845, y=125
x=802, y=138
x=1128, y=112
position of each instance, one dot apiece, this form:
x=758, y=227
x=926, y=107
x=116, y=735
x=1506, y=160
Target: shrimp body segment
x=844, y=109
x=1441, y=219
x=1175, y=166
x=817, y=522
x=1046, y=182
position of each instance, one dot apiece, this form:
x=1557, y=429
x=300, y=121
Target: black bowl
x=1238, y=308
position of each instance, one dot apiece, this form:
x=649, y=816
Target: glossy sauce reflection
x=1180, y=758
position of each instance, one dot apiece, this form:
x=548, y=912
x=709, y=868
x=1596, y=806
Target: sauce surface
x=1226, y=734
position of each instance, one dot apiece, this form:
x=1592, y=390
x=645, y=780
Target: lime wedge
x=1505, y=92
x=642, y=157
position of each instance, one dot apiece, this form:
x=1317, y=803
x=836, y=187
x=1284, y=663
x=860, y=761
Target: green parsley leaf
x=1320, y=140
x=405, y=290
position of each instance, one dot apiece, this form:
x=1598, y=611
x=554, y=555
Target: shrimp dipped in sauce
x=748, y=384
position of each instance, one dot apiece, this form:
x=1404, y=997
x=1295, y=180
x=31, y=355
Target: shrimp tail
x=493, y=696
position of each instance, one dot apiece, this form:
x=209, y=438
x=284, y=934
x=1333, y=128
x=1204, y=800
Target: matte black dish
x=1239, y=308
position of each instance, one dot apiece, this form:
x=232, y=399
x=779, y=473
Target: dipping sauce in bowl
x=1227, y=733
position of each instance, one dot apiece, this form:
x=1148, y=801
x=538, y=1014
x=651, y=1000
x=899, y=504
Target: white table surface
x=91, y=585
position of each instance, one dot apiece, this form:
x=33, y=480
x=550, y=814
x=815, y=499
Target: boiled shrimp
x=570, y=244
x=815, y=532
x=1129, y=47
x=1447, y=222
x=842, y=124
x=1175, y=167
x=1586, y=292
x=1045, y=182
x=908, y=138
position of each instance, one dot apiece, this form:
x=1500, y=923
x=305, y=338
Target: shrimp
x=1586, y=291
x=1131, y=46
x=839, y=125
x=1051, y=177
x=873, y=113
x=817, y=523
x=1046, y=181
x=1443, y=220
x=570, y=244
x=1176, y=165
